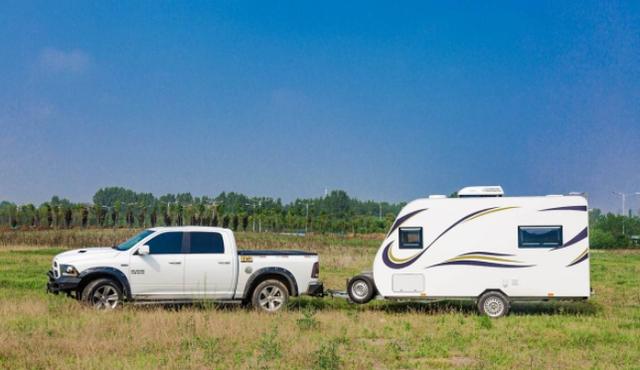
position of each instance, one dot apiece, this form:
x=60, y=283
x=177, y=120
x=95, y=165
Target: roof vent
x=480, y=191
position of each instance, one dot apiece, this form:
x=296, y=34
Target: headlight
x=68, y=270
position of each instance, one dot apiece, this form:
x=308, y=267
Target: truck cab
x=182, y=264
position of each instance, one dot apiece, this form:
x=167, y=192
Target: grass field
x=44, y=331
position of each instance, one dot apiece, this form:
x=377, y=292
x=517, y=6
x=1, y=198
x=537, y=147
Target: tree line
x=119, y=207
x=115, y=207
x=613, y=231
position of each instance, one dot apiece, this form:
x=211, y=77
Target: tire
x=270, y=296
x=102, y=294
x=361, y=289
x=493, y=304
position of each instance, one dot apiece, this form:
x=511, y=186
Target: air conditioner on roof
x=481, y=191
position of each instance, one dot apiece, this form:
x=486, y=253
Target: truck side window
x=206, y=243
x=166, y=243
x=539, y=236
x=410, y=238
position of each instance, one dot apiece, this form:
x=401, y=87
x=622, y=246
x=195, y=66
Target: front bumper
x=62, y=284
x=316, y=289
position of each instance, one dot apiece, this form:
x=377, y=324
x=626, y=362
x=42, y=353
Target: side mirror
x=143, y=250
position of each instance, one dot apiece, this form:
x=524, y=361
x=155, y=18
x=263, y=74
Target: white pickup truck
x=183, y=264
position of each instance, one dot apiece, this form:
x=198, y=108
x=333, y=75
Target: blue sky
x=387, y=101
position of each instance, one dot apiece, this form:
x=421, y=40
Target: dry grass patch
x=44, y=331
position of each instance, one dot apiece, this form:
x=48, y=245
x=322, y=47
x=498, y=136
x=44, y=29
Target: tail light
x=315, y=271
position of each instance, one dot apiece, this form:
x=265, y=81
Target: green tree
x=115, y=213
x=141, y=215
x=153, y=217
x=45, y=216
x=600, y=239
x=68, y=215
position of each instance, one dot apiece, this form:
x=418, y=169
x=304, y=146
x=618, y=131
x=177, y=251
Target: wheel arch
x=94, y=273
x=283, y=275
x=493, y=290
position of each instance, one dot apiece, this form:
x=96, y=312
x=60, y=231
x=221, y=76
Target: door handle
x=175, y=263
x=224, y=262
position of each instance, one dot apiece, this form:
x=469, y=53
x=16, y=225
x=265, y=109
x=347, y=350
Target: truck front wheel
x=270, y=296
x=102, y=294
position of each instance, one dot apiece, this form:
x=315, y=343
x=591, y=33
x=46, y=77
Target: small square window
x=410, y=238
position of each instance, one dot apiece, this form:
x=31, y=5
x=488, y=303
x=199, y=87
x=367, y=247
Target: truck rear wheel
x=361, y=289
x=493, y=304
x=270, y=296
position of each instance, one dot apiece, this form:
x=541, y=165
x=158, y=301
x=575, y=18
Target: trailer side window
x=410, y=238
x=539, y=236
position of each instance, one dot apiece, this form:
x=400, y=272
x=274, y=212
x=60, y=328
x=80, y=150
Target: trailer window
x=539, y=236
x=410, y=238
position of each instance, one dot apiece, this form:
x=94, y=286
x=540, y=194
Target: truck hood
x=83, y=254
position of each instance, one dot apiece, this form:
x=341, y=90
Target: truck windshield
x=131, y=242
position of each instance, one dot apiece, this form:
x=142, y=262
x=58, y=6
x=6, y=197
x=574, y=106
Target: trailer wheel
x=493, y=304
x=361, y=289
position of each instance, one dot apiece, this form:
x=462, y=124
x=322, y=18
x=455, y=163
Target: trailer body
x=524, y=247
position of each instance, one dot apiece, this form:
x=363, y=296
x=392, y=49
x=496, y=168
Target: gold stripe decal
x=398, y=260
x=489, y=212
x=583, y=256
x=397, y=263
x=483, y=259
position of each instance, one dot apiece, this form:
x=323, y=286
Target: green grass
x=44, y=331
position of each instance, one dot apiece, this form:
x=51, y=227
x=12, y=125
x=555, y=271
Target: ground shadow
x=554, y=308
x=465, y=307
x=195, y=305
x=448, y=306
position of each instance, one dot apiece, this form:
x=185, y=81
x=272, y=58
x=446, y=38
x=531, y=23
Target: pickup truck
x=184, y=264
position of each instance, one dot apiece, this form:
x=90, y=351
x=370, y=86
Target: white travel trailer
x=483, y=246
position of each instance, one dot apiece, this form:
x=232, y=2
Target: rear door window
x=205, y=242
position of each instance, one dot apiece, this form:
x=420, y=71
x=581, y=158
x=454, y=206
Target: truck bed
x=266, y=252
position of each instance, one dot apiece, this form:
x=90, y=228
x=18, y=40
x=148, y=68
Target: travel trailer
x=484, y=246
